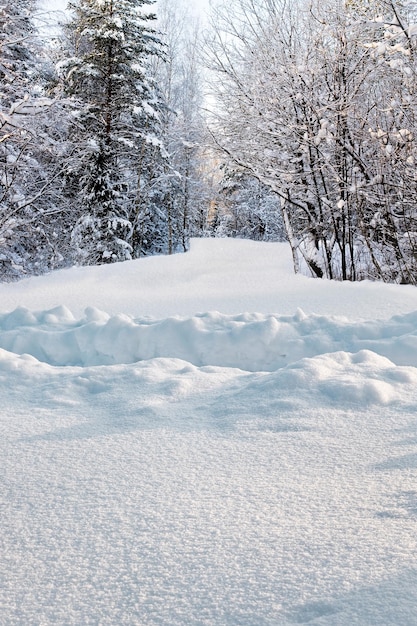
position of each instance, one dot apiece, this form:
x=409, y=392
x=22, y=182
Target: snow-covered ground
x=207, y=440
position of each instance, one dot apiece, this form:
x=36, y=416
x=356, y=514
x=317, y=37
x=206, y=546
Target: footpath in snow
x=207, y=440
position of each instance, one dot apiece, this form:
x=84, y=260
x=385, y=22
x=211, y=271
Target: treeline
x=104, y=154
x=100, y=135
x=317, y=100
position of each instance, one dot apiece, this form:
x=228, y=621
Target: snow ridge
x=250, y=341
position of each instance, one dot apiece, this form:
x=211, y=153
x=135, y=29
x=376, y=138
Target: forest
x=132, y=127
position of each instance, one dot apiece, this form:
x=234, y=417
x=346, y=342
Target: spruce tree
x=115, y=124
x=17, y=58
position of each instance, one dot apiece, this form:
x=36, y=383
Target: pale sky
x=60, y=5
x=48, y=25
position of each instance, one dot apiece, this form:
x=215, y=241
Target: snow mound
x=250, y=341
x=363, y=378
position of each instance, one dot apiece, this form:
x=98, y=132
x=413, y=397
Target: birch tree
x=181, y=84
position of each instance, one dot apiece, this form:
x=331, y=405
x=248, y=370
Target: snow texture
x=207, y=440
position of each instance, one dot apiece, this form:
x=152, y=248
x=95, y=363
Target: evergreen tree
x=115, y=125
x=248, y=209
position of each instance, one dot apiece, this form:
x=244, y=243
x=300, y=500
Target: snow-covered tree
x=28, y=219
x=247, y=209
x=304, y=106
x=180, y=81
x=115, y=128
x=389, y=222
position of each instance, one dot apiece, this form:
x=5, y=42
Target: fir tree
x=115, y=123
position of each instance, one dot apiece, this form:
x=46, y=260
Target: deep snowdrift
x=166, y=467
x=249, y=341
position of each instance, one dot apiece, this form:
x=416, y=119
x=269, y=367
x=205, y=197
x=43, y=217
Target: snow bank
x=339, y=361
x=251, y=341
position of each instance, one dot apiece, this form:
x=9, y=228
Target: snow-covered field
x=207, y=440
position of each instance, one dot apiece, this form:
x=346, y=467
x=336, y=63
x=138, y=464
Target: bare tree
x=181, y=84
x=29, y=217
x=303, y=105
